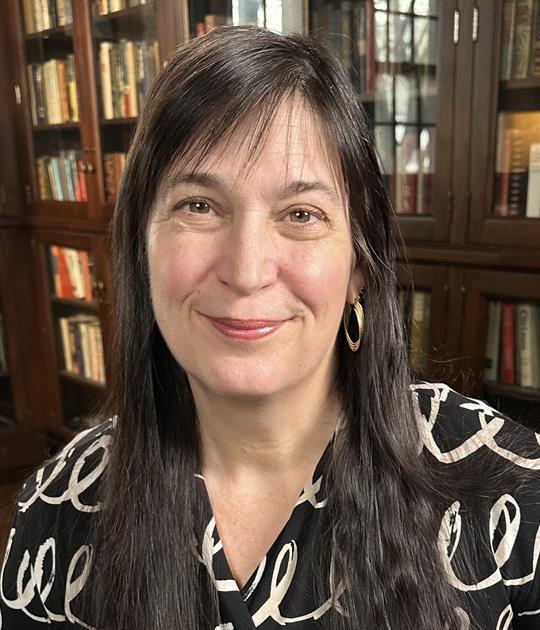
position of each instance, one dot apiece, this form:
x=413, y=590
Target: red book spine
x=66, y=288
x=82, y=185
x=508, y=347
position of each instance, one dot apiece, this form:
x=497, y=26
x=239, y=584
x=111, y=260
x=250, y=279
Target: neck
x=282, y=435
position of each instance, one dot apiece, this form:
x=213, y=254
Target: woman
x=270, y=462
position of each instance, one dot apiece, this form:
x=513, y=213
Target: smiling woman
x=269, y=459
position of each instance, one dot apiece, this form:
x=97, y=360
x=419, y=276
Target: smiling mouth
x=245, y=329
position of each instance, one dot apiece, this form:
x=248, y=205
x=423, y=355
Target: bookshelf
x=445, y=116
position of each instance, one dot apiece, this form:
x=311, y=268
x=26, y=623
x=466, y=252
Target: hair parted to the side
x=384, y=507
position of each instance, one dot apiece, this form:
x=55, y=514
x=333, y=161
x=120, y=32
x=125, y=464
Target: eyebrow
x=212, y=181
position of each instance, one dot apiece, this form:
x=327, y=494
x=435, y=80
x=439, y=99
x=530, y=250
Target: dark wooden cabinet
x=429, y=76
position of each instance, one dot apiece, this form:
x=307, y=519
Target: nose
x=248, y=261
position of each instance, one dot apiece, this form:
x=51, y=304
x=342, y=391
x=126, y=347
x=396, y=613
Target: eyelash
x=319, y=215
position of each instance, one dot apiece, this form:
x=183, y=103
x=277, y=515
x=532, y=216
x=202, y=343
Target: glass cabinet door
x=127, y=60
x=277, y=15
x=399, y=55
x=505, y=143
x=59, y=185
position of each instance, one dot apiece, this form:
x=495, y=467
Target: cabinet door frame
x=485, y=228
x=436, y=227
x=482, y=285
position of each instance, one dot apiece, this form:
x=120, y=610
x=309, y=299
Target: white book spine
x=533, y=186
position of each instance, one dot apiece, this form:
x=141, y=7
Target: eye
x=198, y=207
x=300, y=216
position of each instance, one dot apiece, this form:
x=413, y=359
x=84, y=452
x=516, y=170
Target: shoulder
x=454, y=427
x=499, y=460
x=48, y=548
x=69, y=474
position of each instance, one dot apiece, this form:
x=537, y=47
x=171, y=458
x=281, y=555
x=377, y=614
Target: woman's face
x=250, y=271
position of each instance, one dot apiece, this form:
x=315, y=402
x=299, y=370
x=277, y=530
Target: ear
x=356, y=282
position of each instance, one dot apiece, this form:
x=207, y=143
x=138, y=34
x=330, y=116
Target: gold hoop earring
x=359, y=312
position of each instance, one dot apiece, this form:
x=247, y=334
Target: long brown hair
x=146, y=575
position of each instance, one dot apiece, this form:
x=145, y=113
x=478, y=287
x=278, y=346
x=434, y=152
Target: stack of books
x=82, y=346
x=517, y=166
x=60, y=178
x=41, y=15
x=72, y=274
x=53, y=91
x=520, y=54
x=109, y=6
x=127, y=69
x=513, y=344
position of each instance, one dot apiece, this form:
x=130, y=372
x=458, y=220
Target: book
x=493, y=341
x=425, y=172
x=533, y=186
x=508, y=344
x=516, y=132
x=522, y=39
x=528, y=345
x=509, y=21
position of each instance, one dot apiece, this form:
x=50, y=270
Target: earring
x=359, y=312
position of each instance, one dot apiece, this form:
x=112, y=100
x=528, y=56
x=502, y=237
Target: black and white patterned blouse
x=47, y=565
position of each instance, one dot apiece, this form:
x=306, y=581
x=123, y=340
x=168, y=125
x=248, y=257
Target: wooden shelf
x=520, y=84
x=75, y=302
x=80, y=380
x=56, y=126
x=512, y=391
x=132, y=120
x=123, y=13
x=57, y=30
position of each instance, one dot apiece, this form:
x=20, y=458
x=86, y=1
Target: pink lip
x=245, y=328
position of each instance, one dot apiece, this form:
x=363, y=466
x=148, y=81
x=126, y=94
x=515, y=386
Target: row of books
x=60, y=178
x=102, y=7
x=406, y=156
x=350, y=30
x=114, y=165
x=40, y=15
x=513, y=344
x=3, y=357
x=517, y=165
x=53, y=91
x=82, y=346
x=415, y=308
x=127, y=70
x=72, y=273
x=520, y=52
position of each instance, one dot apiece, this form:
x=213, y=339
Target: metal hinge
x=468, y=207
x=18, y=98
x=456, y=26
x=475, y=25
x=28, y=193
x=449, y=207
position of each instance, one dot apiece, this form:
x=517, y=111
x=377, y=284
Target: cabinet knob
x=90, y=168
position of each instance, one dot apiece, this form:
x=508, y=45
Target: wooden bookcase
x=428, y=74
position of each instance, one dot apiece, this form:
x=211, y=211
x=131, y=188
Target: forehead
x=288, y=144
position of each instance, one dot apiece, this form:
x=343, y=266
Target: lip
x=246, y=329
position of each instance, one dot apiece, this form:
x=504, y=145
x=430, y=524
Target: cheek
x=176, y=267
x=320, y=276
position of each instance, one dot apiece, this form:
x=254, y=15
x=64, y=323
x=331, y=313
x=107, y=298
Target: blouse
x=47, y=565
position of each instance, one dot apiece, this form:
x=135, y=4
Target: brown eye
x=198, y=207
x=300, y=216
